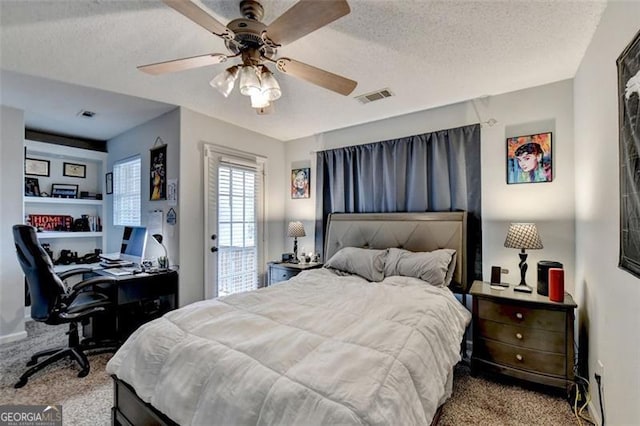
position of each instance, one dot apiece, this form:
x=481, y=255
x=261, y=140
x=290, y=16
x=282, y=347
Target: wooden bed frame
x=411, y=231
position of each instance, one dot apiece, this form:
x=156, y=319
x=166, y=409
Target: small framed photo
x=300, y=183
x=529, y=159
x=31, y=187
x=64, y=190
x=74, y=170
x=108, y=183
x=36, y=167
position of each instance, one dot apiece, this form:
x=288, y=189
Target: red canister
x=556, y=284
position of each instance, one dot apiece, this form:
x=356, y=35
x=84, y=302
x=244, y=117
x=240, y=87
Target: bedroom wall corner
x=299, y=152
x=140, y=140
x=12, y=310
x=550, y=205
x=196, y=130
x=607, y=296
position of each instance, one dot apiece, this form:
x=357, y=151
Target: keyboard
x=119, y=271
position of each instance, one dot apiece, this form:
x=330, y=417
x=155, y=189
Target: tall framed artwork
x=629, y=145
x=529, y=158
x=158, y=173
x=300, y=183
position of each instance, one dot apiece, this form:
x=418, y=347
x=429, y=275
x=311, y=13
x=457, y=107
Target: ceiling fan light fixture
x=225, y=81
x=259, y=100
x=270, y=87
x=249, y=81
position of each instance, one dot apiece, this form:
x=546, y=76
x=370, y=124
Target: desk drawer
x=532, y=338
x=519, y=357
x=530, y=317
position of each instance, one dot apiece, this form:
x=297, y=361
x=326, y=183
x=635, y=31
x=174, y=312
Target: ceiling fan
x=256, y=45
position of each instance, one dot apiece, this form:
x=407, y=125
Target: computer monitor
x=134, y=241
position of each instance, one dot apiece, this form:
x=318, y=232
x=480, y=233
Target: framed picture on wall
x=108, y=182
x=74, y=170
x=36, y=167
x=158, y=173
x=529, y=158
x=300, y=183
x=629, y=142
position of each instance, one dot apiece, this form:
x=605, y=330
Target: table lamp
x=296, y=229
x=523, y=236
x=163, y=262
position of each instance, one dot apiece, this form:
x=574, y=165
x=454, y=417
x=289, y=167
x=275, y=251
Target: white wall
x=550, y=205
x=138, y=141
x=197, y=130
x=11, y=184
x=608, y=296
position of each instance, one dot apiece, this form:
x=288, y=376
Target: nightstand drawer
x=522, y=316
x=531, y=338
x=522, y=358
x=282, y=274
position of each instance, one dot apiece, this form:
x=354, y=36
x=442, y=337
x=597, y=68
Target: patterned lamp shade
x=523, y=236
x=296, y=229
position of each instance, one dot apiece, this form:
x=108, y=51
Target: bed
x=326, y=347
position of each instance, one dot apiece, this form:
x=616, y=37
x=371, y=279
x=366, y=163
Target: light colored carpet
x=87, y=401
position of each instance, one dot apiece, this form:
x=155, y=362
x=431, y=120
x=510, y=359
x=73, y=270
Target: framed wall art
x=300, y=183
x=36, y=167
x=529, y=158
x=74, y=170
x=108, y=183
x=158, y=173
x=629, y=142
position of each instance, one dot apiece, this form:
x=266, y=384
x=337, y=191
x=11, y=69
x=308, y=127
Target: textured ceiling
x=428, y=53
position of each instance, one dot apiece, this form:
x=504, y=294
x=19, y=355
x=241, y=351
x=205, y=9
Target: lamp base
x=523, y=288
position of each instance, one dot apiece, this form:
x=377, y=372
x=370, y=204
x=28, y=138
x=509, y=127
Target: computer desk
x=137, y=299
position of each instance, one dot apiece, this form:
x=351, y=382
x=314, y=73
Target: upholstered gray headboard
x=411, y=231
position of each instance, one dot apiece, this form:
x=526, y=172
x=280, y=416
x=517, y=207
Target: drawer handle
x=519, y=315
x=519, y=357
x=519, y=336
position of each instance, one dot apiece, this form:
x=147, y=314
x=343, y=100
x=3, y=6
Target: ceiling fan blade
x=200, y=17
x=314, y=75
x=305, y=17
x=183, y=64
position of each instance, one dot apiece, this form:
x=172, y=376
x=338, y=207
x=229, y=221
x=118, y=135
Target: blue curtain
x=437, y=171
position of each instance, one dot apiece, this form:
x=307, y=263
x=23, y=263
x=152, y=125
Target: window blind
x=126, y=192
x=238, y=191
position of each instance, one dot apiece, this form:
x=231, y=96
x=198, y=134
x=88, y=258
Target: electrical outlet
x=599, y=368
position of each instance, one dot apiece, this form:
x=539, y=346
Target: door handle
x=214, y=236
x=214, y=249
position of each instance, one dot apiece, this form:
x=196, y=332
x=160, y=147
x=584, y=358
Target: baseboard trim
x=594, y=412
x=14, y=337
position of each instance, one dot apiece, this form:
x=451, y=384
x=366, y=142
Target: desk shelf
x=47, y=235
x=64, y=201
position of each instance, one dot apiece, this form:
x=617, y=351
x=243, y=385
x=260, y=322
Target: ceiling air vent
x=374, y=96
x=86, y=114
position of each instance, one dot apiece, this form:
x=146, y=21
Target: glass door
x=234, y=249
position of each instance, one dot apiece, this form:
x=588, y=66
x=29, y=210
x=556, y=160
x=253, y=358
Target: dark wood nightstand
x=523, y=335
x=282, y=271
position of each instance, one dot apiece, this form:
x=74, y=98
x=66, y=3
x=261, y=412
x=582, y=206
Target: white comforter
x=319, y=349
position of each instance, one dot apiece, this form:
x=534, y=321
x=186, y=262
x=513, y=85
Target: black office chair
x=53, y=303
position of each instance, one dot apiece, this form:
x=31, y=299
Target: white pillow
x=367, y=263
x=435, y=267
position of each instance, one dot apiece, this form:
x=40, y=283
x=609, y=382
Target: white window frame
x=127, y=191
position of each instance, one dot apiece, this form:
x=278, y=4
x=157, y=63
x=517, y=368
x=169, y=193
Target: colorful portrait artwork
x=300, y=182
x=157, y=176
x=529, y=159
